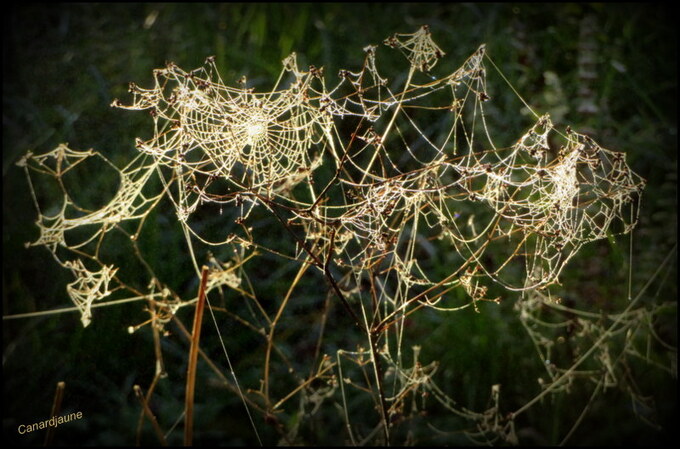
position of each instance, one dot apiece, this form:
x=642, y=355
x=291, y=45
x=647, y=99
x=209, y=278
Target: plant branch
x=193, y=358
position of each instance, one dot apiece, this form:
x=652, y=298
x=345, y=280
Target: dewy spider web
x=401, y=190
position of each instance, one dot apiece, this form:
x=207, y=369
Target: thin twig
x=149, y=414
x=317, y=262
x=272, y=328
x=56, y=408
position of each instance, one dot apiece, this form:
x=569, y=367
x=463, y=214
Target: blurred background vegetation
x=63, y=65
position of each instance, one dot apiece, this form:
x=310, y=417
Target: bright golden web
x=379, y=182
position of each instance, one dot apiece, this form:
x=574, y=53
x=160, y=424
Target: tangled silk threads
x=386, y=196
x=393, y=188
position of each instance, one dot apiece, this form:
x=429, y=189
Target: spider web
x=418, y=180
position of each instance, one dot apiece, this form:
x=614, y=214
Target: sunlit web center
x=256, y=130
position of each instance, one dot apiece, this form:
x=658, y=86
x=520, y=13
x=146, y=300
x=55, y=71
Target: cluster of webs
x=369, y=174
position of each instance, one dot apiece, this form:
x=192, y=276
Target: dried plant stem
x=193, y=358
x=374, y=338
x=378, y=372
x=272, y=328
x=160, y=369
x=317, y=261
x=147, y=398
x=302, y=386
x=149, y=414
x=216, y=370
x=56, y=408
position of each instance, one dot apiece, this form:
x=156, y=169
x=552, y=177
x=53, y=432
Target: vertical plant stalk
x=317, y=262
x=160, y=370
x=378, y=372
x=145, y=400
x=272, y=328
x=217, y=371
x=373, y=339
x=56, y=408
x=149, y=414
x=193, y=358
